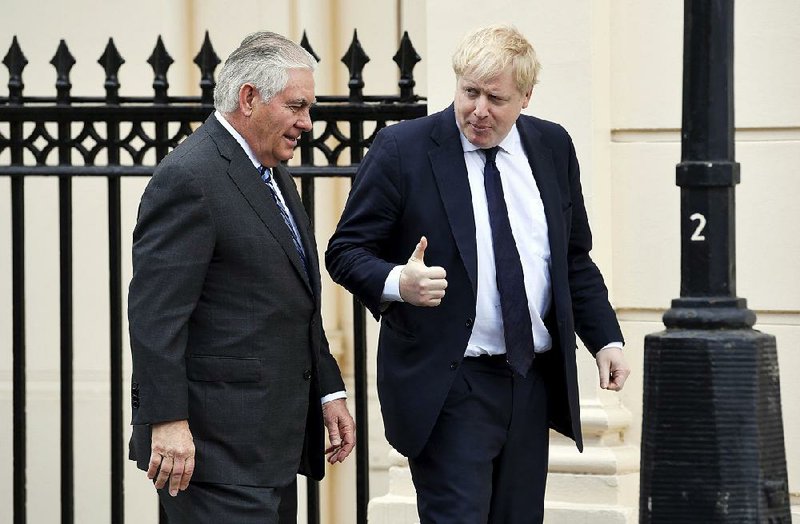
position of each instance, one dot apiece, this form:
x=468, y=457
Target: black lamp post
x=712, y=434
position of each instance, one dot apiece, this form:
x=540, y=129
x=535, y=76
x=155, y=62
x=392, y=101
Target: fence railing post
x=15, y=61
x=63, y=61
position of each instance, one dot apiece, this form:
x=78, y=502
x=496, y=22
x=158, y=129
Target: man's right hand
x=172, y=455
x=421, y=285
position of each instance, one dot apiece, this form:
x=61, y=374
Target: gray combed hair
x=264, y=60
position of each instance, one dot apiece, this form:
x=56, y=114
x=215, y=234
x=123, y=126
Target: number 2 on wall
x=698, y=235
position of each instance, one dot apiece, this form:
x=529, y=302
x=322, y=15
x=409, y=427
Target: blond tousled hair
x=486, y=52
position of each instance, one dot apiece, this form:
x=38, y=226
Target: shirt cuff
x=334, y=396
x=614, y=344
x=391, y=288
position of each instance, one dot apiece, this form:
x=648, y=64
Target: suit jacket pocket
x=210, y=368
x=396, y=330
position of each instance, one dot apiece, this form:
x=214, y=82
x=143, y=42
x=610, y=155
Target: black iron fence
x=116, y=137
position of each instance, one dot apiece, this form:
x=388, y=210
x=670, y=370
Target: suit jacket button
x=307, y=374
x=454, y=364
x=469, y=322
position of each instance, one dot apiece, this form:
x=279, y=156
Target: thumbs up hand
x=421, y=285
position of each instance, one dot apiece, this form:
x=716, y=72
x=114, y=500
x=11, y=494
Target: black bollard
x=712, y=433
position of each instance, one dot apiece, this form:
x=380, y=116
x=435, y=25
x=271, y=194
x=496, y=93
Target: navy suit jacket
x=413, y=182
x=225, y=321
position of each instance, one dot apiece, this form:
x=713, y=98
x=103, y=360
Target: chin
x=286, y=155
x=481, y=142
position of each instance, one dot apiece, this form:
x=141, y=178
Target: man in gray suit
x=232, y=375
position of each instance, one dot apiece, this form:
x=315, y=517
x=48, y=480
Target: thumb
x=333, y=434
x=419, y=250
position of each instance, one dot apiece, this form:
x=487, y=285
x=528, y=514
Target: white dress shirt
x=529, y=227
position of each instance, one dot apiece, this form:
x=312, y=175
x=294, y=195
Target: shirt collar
x=511, y=144
x=239, y=138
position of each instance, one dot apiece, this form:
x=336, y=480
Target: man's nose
x=304, y=122
x=481, y=107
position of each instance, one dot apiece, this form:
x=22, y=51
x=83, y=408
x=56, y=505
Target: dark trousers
x=203, y=503
x=486, y=460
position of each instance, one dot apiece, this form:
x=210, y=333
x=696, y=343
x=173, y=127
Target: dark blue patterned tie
x=517, y=329
x=266, y=176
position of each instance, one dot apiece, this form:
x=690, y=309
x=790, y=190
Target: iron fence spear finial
x=63, y=62
x=406, y=58
x=355, y=59
x=307, y=46
x=15, y=61
x=207, y=60
x=160, y=60
x=111, y=61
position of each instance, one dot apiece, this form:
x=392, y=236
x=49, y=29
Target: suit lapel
x=242, y=172
x=298, y=211
x=450, y=172
x=540, y=158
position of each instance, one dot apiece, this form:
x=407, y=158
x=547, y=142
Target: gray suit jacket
x=225, y=321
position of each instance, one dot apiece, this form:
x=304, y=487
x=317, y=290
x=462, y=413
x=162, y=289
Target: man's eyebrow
x=302, y=101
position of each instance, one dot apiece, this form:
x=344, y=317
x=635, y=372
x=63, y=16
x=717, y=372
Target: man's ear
x=247, y=98
x=527, y=98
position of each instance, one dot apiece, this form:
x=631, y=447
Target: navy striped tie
x=517, y=329
x=266, y=176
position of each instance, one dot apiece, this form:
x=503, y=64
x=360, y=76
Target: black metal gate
x=120, y=137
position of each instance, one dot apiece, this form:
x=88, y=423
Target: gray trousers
x=203, y=503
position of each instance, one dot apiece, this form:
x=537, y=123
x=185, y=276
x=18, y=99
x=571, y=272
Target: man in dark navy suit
x=476, y=355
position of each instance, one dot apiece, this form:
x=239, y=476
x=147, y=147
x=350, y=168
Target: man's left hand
x=341, y=430
x=613, y=368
